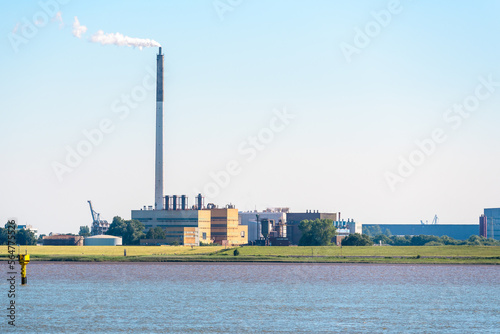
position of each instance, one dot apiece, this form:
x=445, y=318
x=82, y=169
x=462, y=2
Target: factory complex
x=201, y=224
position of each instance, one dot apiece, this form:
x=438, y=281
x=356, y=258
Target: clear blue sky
x=226, y=72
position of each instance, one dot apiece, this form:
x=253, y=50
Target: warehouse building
x=63, y=240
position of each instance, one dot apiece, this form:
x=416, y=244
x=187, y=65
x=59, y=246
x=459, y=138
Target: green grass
x=453, y=251
x=329, y=254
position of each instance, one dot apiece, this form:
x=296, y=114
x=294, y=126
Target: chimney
x=159, y=133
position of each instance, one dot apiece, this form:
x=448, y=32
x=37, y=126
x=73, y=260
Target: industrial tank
x=103, y=240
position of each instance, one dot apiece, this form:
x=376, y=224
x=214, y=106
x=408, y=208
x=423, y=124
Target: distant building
x=492, y=223
x=99, y=227
x=483, y=226
x=455, y=231
x=63, y=240
x=344, y=228
x=28, y=227
x=293, y=220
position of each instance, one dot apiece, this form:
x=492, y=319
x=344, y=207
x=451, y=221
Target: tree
x=118, y=227
x=357, y=239
x=474, y=240
x=372, y=230
x=317, y=232
x=84, y=231
x=400, y=241
x=382, y=238
x=420, y=240
x=131, y=231
x=25, y=237
x=236, y=252
x=156, y=233
x=40, y=238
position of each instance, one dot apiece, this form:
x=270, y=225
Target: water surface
x=248, y=298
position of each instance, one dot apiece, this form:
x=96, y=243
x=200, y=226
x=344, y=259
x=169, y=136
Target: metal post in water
x=24, y=259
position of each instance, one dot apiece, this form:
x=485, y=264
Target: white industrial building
x=249, y=218
x=28, y=227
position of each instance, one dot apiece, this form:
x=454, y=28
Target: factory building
x=293, y=220
x=225, y=227
x=253, y=219
x=102, y=240
x=492, y=223
x=187, y=227
x=344, y=228
x=183, y=224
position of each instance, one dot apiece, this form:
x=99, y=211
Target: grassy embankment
x=330, y=254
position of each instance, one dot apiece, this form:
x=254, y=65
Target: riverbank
x=328, y=254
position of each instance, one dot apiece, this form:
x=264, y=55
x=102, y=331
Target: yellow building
x=225, y=229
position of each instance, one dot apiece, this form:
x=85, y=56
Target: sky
x=385, y=111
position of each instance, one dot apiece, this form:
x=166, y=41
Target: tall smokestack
x=159, y=133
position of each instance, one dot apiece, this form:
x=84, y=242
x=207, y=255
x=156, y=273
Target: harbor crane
x=99, y=226
x=434, y=221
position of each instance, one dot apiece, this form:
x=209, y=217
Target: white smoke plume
x=78, y=30
x=121, y=40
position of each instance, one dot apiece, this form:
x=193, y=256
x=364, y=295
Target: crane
x=435, y=220
x=99, y=226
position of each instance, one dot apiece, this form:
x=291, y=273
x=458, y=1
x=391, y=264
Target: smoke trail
x=119, y=39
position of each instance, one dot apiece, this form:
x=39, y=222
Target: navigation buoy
x=24, y=259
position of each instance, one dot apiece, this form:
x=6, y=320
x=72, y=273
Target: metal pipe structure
x=174, y=202
x=159, y=133
x=167, y=202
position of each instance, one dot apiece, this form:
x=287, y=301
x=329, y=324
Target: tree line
x=320, y=232
x=432, y=240
x=23, y=236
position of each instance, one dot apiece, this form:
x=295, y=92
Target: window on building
x=242, y=234
x=204, y=235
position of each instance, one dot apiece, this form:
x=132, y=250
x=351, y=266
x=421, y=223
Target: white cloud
x=78, y=30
